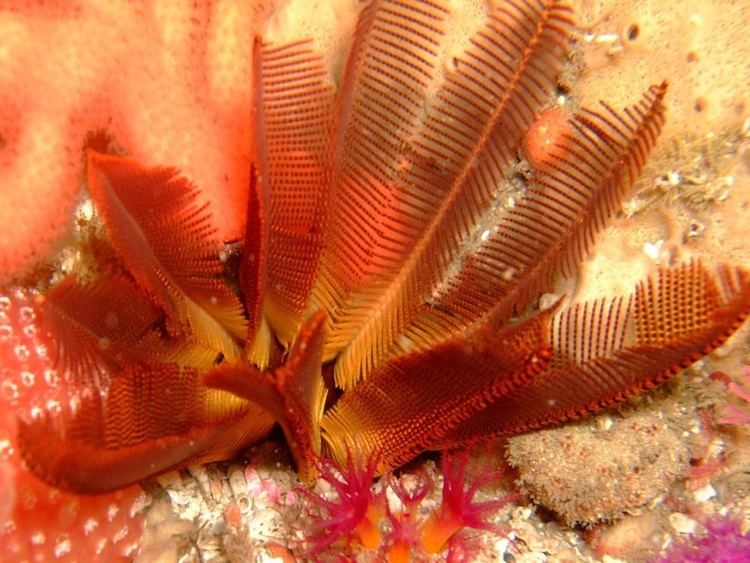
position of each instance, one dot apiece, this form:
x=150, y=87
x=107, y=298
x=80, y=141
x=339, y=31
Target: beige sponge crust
x=587, y=475
x=701, y=48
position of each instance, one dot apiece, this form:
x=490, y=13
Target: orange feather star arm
x=97, y=327
x=460, y=153
x=586, y=359
x=608, y=350
x=388, y=74
x=253, y=268
x=407, y=405
x=293, y=393
x=513, y=260
x=293, y=100
x=253, y=274
x=167, y=244
x=149, y=420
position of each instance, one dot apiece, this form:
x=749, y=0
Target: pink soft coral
x=723, y=542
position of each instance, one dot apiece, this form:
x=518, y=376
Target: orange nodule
x=400, y=552
x=438, y=529
x=546, y=140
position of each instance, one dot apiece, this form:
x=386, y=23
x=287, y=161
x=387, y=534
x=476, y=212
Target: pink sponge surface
x=168, y=82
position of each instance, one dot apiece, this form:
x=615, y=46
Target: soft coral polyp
x=404, y=536
x=356, y=514
x=459, y=509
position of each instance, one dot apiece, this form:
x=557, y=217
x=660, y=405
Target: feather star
x=375, y=252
